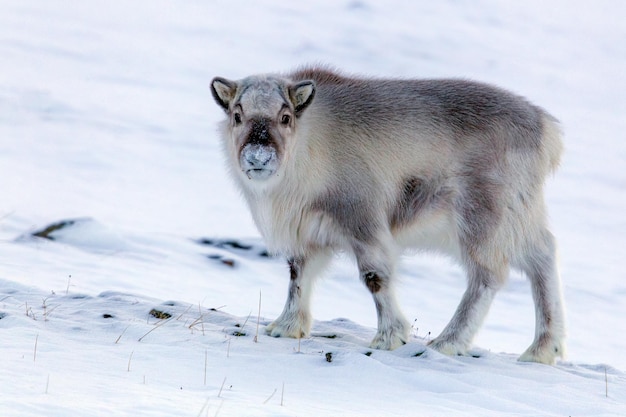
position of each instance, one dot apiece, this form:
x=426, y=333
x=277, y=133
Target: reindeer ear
x=301, y=95
x=223, y=91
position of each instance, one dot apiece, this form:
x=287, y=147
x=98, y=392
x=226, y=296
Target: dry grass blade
x=159, y=324
x=206, y=403
x=282, y=395
x=221, y=388
x=130, y=358
x=270, y=397
x=35, y=350
x=206, y=355
x=120, y=336
x=258, y=319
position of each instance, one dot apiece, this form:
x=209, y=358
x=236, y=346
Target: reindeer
x=328, y=162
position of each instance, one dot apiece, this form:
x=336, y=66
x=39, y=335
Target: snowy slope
x=106, y=117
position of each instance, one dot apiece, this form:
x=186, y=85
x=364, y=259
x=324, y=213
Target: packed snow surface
x=148, y=288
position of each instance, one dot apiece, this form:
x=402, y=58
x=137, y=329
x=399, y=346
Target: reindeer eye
x=237, y=118
x=285, y=120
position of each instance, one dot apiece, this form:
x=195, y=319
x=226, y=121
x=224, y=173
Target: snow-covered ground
x=106, y=118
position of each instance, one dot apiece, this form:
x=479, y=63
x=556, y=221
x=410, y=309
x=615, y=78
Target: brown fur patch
x=295, y=267
x=373, y=282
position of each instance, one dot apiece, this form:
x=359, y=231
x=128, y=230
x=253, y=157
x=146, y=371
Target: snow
x=106, y=118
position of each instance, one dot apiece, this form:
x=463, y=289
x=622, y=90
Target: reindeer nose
x=258, y=162
x=258, y=156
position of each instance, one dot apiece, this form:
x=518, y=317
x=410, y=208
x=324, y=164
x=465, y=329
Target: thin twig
x=271, y=395
x=120, y=336
x=201, y=316
x=245, y=321
x=184, y=312
x=219, y=407
x=282, y=394
x=195, y=322
x=258, y=319
x=221, y=388
x=48, y=311
x=199, y=320
x=206, y=403
x=129, y=359
x=35, y=351
x=29, y=312
x=205, y=364
x=606, y=383
x=161, y=323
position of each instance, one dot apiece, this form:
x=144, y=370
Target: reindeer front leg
x=376, y=263
x=295, y=320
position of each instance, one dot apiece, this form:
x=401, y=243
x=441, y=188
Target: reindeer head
x=262, y=119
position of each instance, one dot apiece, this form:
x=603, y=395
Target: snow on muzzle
x=258, y=161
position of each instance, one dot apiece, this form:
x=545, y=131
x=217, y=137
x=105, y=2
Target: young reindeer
x=328, y=163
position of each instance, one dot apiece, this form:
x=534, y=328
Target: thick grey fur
x=328, y=162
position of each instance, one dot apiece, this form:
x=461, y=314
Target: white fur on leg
x=291, y=323
x=457, y=336
x=295, y=320
x=393, y=328
x=449, y=346
x=549, y=342
x=545, y=281
x=546, y=350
